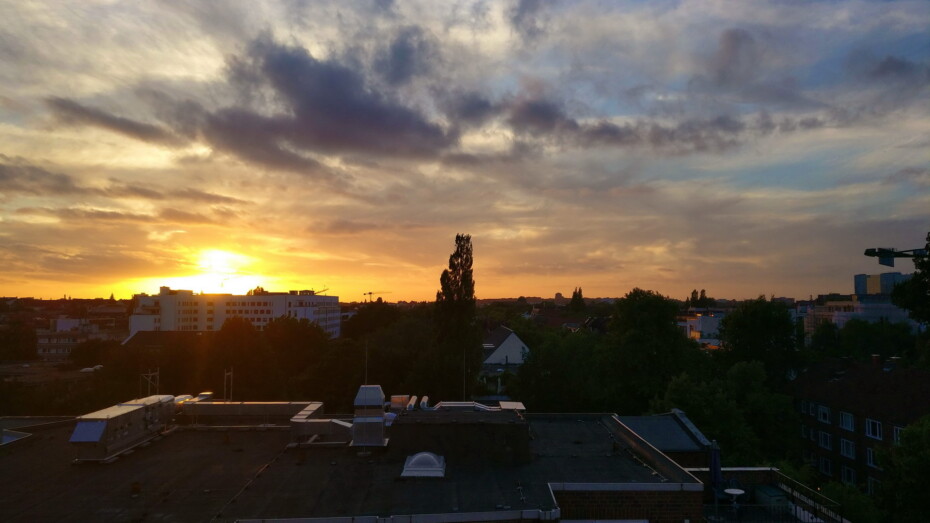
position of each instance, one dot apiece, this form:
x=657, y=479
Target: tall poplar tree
x=458, y=337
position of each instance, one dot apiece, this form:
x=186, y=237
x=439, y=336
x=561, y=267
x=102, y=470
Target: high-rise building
x=181, y=310
x=878, y=283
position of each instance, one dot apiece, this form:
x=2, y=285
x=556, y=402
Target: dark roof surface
x=666, y=432
x=161, y=339
x=497, y=336
x=194, y=475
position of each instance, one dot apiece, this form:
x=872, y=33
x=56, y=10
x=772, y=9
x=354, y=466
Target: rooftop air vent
x=424, y=465
x=368, y=422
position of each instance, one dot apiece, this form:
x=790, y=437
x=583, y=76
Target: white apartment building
x=180, y=310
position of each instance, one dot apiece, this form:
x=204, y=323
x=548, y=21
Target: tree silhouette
x=914, y=294
x=577, y=304
x=458, y=339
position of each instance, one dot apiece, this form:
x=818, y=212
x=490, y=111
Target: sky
x=745, y=148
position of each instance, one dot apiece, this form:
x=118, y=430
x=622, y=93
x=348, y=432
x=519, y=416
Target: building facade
x=851, y=412
x=182, y=310
x=878, y=283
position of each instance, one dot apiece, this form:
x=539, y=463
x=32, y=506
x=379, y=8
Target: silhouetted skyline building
x=182, y=310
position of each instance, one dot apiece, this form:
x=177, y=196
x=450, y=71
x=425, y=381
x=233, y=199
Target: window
x=803, y=406
x=847, y=422
x=848, y=448
x=873, y=486
x=870, y=457
x=896, y=434
x=813, y=435
x=826, y=466
x=873, y=429
x=803, y=431
x=826, y=441
x=823, y=414
x=812, y=408
x=849, y=475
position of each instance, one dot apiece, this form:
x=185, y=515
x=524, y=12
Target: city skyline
x=749, y=148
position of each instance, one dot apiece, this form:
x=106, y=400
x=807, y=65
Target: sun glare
x=214, y=272
x=221, y=262
x=220, y=272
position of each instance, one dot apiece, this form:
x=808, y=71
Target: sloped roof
x=669, y=432
x=497, y=336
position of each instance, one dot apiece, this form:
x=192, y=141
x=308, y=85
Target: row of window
x=229, y=312
x=847, y=421
x=237, y=303
x=847, y=447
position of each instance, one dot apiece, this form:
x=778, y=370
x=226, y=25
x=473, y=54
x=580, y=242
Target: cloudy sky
x=743, y=147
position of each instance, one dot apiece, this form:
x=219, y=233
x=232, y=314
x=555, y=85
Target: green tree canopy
x=914, y=294
x=760, y=330
x=907, y=467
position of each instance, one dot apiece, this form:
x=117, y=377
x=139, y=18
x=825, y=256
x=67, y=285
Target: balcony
x=769, y=496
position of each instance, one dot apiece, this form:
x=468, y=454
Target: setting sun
x=214, y=271
x=221, y=263
x=221, y=272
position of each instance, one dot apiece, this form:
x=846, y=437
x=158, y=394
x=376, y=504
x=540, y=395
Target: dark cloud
x=195, y=195
x=178, y=216
x=72, y=113
x=342, y=227
x=546, y=119
x=539, y=116
x=897, y=82
x=916, y=175
x=737, y=59
x=19, y=177
x=328, y=108
x=133, y=191
x=334, y=110
x=469, y=109
x=741, y=67
x=411, y=53
x=85, y=215
x=257, y=139
x=528, y=18
x=145, y=193
x=890, y=69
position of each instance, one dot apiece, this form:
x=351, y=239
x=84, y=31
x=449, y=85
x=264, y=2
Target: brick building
x=852, y=410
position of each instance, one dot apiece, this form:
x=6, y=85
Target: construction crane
x=886, y=255
x=372, y=293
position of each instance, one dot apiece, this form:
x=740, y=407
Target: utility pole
x=151, y=379
x=228, y=377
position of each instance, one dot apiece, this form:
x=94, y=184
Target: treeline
x=644, y=364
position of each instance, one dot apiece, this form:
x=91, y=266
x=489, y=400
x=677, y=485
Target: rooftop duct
x=368, y=423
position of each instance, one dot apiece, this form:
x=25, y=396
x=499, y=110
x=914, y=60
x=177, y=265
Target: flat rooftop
x=199, y=475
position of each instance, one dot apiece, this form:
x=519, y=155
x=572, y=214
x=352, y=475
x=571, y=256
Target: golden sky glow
x=745, y=147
